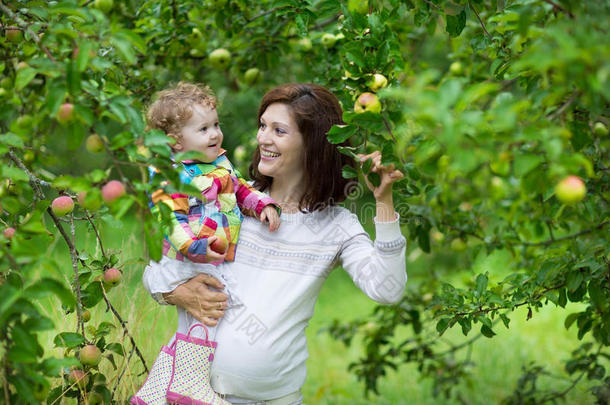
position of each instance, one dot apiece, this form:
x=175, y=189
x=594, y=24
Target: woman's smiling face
x=280, y=143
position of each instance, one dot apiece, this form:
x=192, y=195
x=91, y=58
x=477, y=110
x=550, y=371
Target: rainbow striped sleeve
x=249, y=198
x=181, y=235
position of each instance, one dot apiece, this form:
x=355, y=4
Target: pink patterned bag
x=154, y=390
x=190, y=380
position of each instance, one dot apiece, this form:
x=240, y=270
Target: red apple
x=112, y=190
x=9, y=233
x=62, y=205
x=570, y=190
x=65, y=113
x=78, y=377
x=112, y=276
x=367, y=102
x=94, y=143
x=90, y=355
x=219, y=245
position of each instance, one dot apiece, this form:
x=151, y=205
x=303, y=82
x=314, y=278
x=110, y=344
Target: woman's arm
x=379, y=269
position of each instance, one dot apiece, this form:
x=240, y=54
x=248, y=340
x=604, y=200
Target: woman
x=262, y=346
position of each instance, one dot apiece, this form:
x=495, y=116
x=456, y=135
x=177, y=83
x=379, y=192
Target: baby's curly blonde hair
x=173, y=107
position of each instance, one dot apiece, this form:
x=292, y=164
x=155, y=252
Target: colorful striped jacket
x=216, y=212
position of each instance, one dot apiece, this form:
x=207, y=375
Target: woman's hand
x=269, y=213
x=196, y=297
x=388, y=175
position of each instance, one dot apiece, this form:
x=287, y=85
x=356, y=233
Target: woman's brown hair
x=315, y=111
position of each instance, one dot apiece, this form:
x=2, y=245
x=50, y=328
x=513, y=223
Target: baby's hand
x=213, y=256
x=269, y=213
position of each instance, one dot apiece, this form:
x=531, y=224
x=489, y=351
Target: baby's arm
x=194, y=247
x=250, y=200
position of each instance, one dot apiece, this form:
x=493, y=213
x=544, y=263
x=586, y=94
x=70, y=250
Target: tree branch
x=559, y=7
x=565, y=105
x=24, y=26
x=74, y=258
x=124, y=325
x=474, y=10
x=387, y=126
x=567, y=237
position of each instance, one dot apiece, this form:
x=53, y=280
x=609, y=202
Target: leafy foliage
x=489, y=105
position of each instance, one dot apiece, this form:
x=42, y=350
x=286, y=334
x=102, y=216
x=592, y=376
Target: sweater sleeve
x=158, y=280
x=377, y=268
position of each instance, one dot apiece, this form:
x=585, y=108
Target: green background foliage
x=489, y=105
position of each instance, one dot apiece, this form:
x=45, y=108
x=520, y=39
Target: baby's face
x=201, y=133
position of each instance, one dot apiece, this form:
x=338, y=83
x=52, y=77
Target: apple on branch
x=252, y=76
x=377, y=81
x=112, y=191
x=62, y=205
x=94, y=144
x=328, y=40
x=570, y=190
x=367, y=102
x=9, y=232
x=112, y=276
x=79, y=378
x=90, y=355
x=65, y=112
x=220, y=59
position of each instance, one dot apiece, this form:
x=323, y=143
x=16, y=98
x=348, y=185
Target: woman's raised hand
x=202, y=303
x=388, y=175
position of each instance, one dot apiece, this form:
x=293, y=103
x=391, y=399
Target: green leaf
x=487, y=332
x=442, y=325
x=49, y=286
x=69, y=340
x=570, y=319
x=374, y=178
x=340, y=133
x=24, y=77
x=455, y=23
x=574, y=280
x=480, y=284
x=11, y=139
x=116, y=347
x=349, y=172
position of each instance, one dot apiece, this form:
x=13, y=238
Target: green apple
x=570, y=190
x=600, y=129
x=21, y=65
x=458, y=245
x=456, y=68
x=304, y=44
x=252, y=76
x=104, y=5
x=86, y=315
x=377, y=81
x=94, y=144
x=65, y=113
x=196, y=53
x=25, y=121
x=358, y=6
x=367, y=102
x=328, y=40
x=90, y=355
x=220, y=59
x=13, y=34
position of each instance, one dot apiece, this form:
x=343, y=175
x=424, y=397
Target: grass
x=542, y=339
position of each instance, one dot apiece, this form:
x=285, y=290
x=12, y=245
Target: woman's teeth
x=269, y=154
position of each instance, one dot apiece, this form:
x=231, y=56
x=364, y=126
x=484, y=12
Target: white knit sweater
x=262, y=347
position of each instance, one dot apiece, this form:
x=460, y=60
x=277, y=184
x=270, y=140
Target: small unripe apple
x=112, y=190
x=367, y=102
x=570, y=190
x=104, y=5
x=13, y=34
x=378, y=81
x=600, y=129
x=90, y=355
x=9, y=232
x=94, y=143
x=78, y=377
x=3, y=92
x=252, y=76
x=95, y=398
x=144, y=151
x=328, y=40
x=196, y=53
x=86, y=315
x=456, y=68
x=458, y=245
x=25, y=121
x=21, y=65
x=65, y=113
x=305, y=44
x=219, y=245
x=62, y=205
x=437, y=236
x=220, y=59
x=112, y=276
